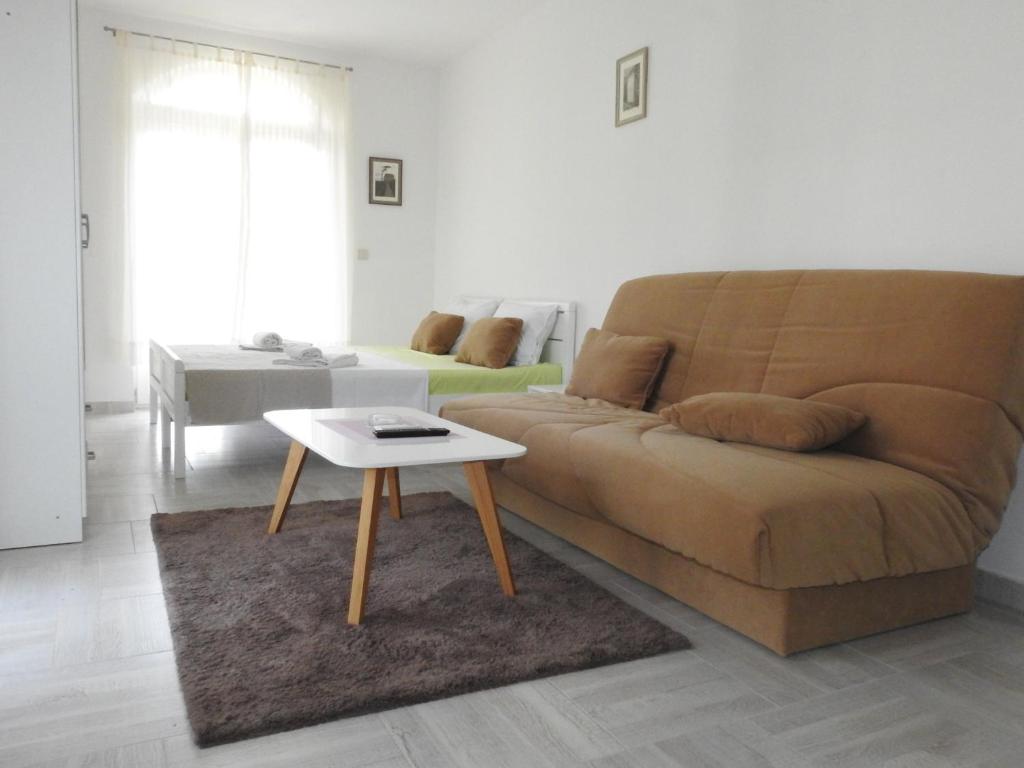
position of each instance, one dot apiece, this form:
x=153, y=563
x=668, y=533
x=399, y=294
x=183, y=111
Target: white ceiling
x=428, y=31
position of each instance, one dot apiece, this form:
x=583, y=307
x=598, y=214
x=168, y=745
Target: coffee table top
x=343, y=437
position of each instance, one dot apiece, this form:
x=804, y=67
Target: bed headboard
x=561, y=344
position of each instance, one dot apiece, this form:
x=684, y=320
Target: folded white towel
x=254, y=348
x=343, y=361
x=300, y=351
x=312, y=363
x=267, y=340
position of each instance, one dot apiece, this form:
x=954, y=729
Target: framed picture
x=385, y=181
x=631, y=87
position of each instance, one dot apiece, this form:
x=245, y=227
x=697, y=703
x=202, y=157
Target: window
x=235, y=196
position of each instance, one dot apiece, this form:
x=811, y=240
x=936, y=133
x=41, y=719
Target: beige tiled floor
x=87, y=677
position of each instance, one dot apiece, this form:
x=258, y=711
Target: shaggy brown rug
x=259, y=625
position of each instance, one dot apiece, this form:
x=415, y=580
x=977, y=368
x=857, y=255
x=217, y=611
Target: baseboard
x=999, y=590
x=115, y=406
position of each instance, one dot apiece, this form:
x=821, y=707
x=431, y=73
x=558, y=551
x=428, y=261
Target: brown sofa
x=795, y=550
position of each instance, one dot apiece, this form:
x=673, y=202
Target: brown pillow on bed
x=619, y=369
x=437, y=333
x=490, y=342
x=770, y=421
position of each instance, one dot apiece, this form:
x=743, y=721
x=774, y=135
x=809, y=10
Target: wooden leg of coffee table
x=480, y=485
x=292, y=468
x=394, y=493
x=373, y=484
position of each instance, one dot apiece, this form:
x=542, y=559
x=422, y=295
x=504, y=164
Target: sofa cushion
x=767, y=517
x=772, y=518
x=545, y=424
x=511, y=415
x=437, y=333
x=770, y=421
x=619, y=369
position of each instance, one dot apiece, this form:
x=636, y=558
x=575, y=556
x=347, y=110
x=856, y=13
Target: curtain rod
x=115, y=30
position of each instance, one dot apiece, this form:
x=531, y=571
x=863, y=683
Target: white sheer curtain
x=234, y=196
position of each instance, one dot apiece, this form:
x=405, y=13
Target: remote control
x=408, y=431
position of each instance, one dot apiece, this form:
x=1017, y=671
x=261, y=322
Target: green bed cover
x=450, y=378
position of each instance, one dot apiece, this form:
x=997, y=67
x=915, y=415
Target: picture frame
x=385, y=176
x=631, y=87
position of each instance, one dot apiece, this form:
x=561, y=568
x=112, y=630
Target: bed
x=219, y=385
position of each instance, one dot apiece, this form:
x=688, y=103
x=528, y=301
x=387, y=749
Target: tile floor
x=87, y=676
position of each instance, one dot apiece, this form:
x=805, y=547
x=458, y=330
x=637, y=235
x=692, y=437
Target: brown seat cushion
x=436, y=333
x=773, y=518
x=619, y=369
x=490, y=342
x=545, y=424
x=768, y=517
x=770, y=421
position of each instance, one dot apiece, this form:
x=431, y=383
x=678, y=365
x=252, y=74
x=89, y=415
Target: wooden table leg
x=480, y=485
x=373, y=484
x=292, y=468
x=394, y=493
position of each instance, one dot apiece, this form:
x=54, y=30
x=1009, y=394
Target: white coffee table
x=342, y=436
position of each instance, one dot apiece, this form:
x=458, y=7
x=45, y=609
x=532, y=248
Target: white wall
x=394, y=114
x=795, y=133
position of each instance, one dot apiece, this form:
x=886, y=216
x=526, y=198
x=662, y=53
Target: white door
x=42, y=467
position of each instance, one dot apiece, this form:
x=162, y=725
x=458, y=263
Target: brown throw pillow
x=436, y=333
x=770, y=421
x=490, y=342
x=619, y=369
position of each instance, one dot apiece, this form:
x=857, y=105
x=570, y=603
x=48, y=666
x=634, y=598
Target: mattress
x=448, y=377
x=225, y=385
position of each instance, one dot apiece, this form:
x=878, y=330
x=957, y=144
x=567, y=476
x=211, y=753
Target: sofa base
x=786, y=620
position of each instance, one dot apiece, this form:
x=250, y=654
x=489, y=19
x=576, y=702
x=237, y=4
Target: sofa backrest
x=935, y=359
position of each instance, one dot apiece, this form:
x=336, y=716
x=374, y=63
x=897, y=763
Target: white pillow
x=538, y=322
x=472, y=310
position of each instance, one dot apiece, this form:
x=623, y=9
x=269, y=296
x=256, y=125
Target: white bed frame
x=167, y=401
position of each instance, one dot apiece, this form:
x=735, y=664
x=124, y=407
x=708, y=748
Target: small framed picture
x=385, y=181
x=631, y=87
